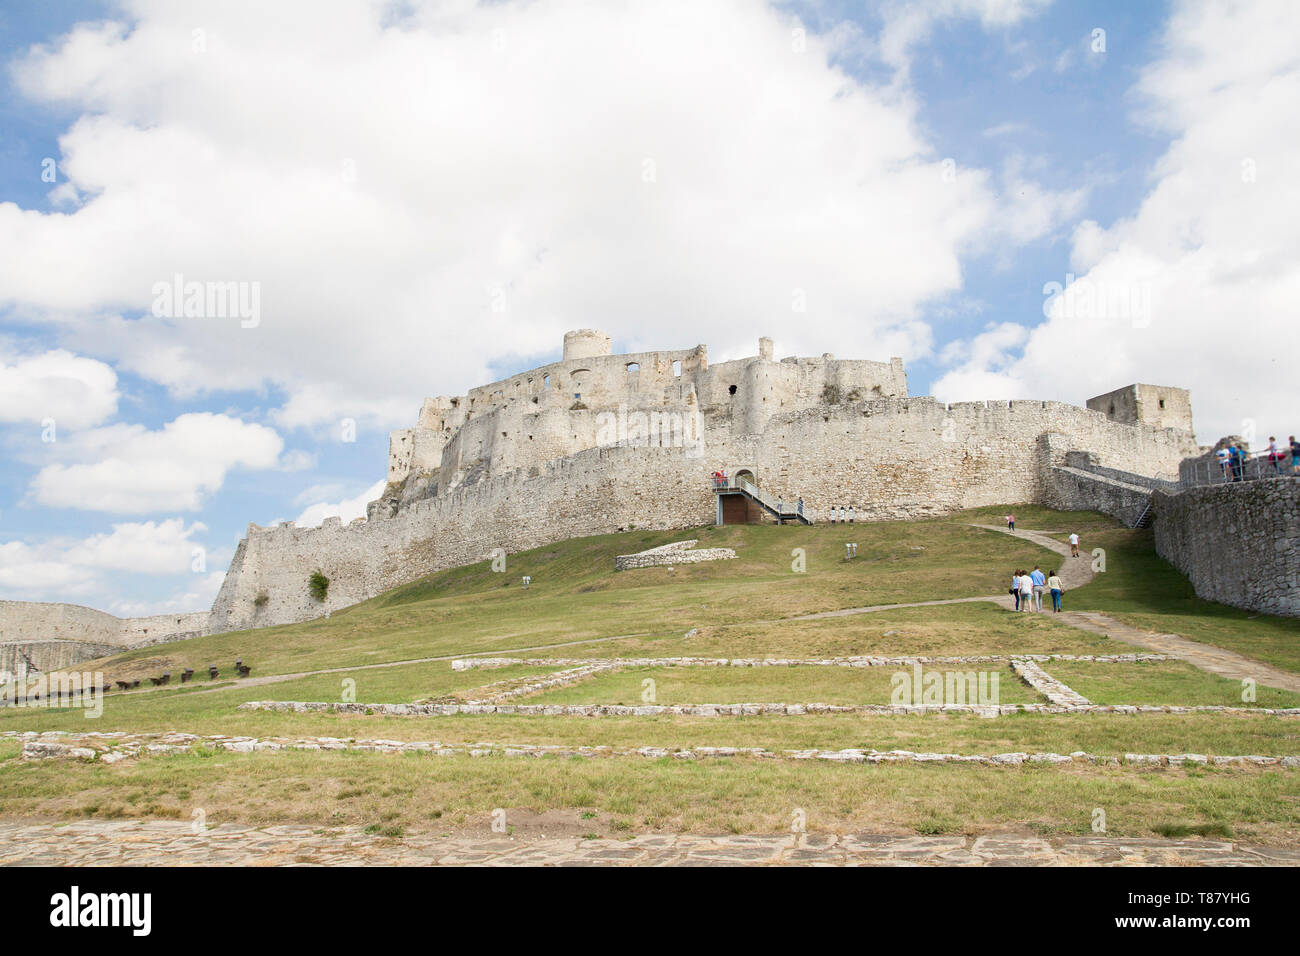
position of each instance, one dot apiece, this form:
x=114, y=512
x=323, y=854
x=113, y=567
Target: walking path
x=174, y=843
x=1074, y=573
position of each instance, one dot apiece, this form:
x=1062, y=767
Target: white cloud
x=909, y=22
x=74, y=391
x=198, y=597
x=1213, y=249
x=608, y=165
x=63, y=569
x=164, y=547
x=347, y=509
x=130, y=469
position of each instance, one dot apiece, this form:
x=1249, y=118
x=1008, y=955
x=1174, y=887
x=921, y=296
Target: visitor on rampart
x=1295, y=456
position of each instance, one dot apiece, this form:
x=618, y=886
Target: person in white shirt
x=1026, y=592
x=1074, y=545
x=850, y=514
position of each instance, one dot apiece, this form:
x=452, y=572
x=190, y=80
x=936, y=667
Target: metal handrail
x=748, y=487
x=1251, y=467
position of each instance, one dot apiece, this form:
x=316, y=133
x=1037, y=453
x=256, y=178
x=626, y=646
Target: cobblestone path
x=172, y=843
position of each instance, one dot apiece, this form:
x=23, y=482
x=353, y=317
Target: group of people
x=1232, y=459
x=1027, y=588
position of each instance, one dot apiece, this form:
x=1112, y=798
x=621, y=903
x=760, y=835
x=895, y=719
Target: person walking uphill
x=1026, y=591
x=1054, y=584
x=1040, y=581
x=1015, y=587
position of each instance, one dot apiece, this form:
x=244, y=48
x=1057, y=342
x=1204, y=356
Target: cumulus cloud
x=72, y=390
x=131, y=469
x=437, y=186
x=347, y=509
x=1199, y=287
x=198, y=597
x=63, y=569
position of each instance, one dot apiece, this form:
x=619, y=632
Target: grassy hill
x=397, y=648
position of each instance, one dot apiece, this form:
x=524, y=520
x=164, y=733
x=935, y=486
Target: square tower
x=1160, y=405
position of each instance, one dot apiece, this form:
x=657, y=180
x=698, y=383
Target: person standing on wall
x=1274, y=456
x=1295, y=456
x=798, y=507
x=1054, y=583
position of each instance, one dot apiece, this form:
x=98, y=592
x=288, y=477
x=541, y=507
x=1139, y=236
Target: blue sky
x=919, y=172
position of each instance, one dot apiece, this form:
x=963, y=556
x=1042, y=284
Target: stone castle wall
x=889, y=458
x=1239, y=543
x=48, y=656
x=59, y=635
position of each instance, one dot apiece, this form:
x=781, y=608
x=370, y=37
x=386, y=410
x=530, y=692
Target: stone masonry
x=599, y=443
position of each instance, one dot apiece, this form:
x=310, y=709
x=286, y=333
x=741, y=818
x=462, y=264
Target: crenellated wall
x=889, y=458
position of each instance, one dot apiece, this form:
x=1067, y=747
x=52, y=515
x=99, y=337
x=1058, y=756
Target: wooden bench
x=212, y=671
x=243, y=671
x=187, y=674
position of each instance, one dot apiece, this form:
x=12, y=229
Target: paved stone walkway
x=173, y=843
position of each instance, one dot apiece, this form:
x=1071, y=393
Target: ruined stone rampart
x=1239, y=544
x=892, y=458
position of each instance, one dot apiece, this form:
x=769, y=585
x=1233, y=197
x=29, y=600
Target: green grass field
x=578, y=607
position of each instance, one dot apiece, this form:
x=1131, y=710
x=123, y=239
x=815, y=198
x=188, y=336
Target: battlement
x=601, y=442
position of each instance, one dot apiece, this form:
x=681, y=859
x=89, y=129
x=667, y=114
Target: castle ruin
x=598, y=443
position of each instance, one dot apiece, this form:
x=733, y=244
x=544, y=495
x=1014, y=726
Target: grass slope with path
x=578, y=607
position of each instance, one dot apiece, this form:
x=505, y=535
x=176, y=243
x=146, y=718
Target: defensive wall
x=1238, y=543
x=533, y=459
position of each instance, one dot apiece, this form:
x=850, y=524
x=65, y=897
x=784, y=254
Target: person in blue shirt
x=1040, y=580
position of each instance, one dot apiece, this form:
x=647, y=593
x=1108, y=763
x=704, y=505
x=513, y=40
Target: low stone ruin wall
x=680, y=552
